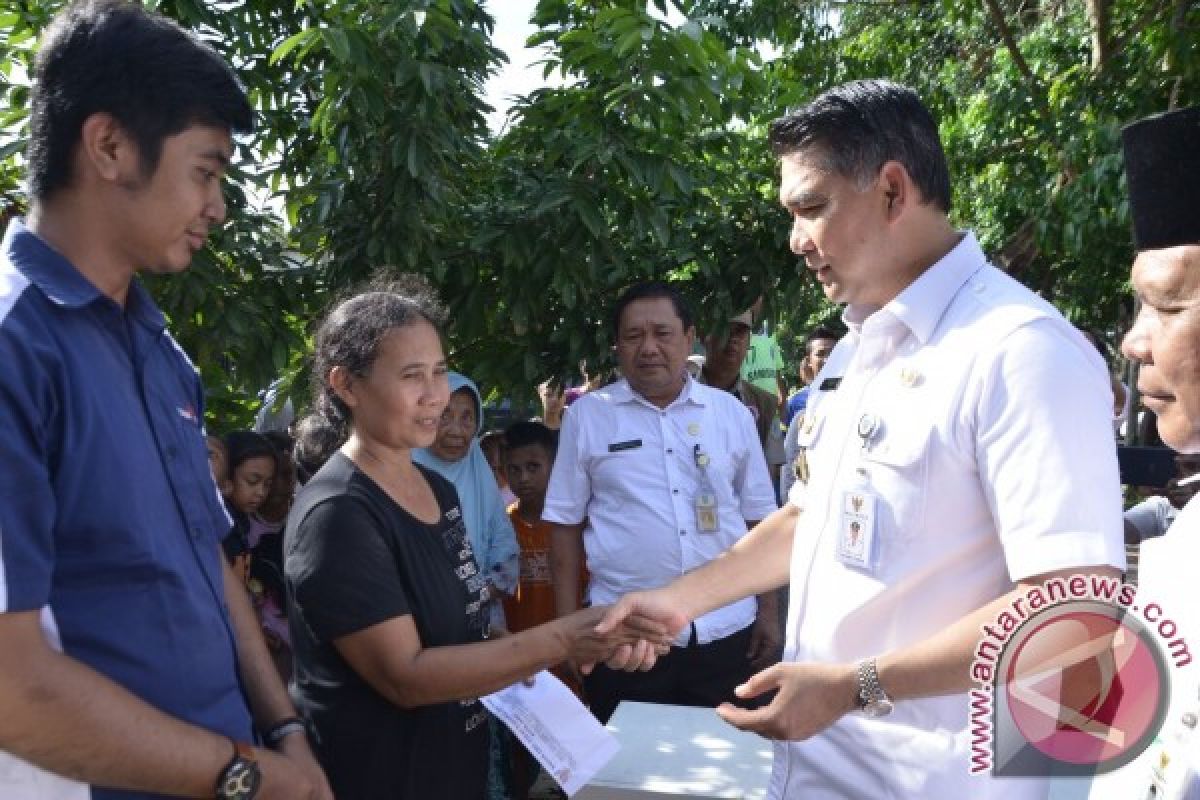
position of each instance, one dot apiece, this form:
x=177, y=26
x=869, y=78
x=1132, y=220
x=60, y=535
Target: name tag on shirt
x=617, y=447
x=856, y=529
x=830, y=384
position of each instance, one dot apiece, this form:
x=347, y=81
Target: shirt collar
x=622, y=392
x=920, y=306
x=62, y=283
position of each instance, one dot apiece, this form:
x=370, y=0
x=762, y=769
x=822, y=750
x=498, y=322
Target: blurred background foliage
x=372, y=152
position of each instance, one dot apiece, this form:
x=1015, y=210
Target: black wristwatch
x=240, y=778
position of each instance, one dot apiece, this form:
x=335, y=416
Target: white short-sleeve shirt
x=628, y=468
x=993, y=461
x=1167, y=576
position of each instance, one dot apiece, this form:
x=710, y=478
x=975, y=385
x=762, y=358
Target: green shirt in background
x=763, y=363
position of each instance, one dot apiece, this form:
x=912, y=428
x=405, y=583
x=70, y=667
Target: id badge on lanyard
x=706, y=497
x=857, y=516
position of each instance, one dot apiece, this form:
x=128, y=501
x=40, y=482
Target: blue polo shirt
x=109, y=519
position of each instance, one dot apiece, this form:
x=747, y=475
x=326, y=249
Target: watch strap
x=243, y=751
x=239, y=779
x=870, y=690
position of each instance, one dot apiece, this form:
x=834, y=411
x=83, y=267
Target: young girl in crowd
x=250, y=468
x=387, y=605
x=265, y=540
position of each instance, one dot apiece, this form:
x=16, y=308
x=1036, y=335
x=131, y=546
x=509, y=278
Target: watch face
x=879, y=708
x=240, y=781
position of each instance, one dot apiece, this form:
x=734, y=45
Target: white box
x=679, y=751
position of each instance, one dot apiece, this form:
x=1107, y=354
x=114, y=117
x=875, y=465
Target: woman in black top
x=387, y=607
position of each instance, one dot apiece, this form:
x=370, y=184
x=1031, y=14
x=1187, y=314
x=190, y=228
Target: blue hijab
x=488, y=527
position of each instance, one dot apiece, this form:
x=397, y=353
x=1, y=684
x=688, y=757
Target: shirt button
x=674, y=491
x=669, y=451
x=683, y=533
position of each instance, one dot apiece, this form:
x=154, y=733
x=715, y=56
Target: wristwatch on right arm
x=240, y=778
x=872, y=699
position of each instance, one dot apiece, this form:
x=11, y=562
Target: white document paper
x=556, y=728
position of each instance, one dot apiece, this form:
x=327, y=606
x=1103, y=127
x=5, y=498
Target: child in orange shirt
x=531, y=447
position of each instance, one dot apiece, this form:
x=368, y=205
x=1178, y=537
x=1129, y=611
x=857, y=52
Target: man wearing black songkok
x=1162, y=163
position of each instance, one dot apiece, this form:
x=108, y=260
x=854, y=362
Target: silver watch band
x=869, y=688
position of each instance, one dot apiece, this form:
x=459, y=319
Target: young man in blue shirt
x=131, y=664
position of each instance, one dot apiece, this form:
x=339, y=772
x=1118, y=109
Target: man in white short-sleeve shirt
x=655, y=476
x=957, y=450
x=1162, y=164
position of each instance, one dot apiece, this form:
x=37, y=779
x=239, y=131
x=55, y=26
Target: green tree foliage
x=649, y=160
x=1030, y=97
x=636, y=168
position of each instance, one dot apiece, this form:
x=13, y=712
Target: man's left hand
x=766, y=640
x=296, y=749
x=810, y=698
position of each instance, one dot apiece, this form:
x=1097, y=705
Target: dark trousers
x=696, y=675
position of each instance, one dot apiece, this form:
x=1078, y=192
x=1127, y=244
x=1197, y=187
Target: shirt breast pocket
x=897, y=472
x=612, y=460
x=190, y=471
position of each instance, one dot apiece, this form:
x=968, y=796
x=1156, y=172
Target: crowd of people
x=316, y=612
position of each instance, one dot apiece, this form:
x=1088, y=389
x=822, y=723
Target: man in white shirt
x=926, y=509
x=1162, y=163
x=656, y=475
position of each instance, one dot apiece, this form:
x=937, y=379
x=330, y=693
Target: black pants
x=696, y=675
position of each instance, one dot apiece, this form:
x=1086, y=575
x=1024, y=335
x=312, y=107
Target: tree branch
x=1010, y=41
x=1097, y=11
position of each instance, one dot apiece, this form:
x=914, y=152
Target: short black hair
x=317, y=438
x=859, y=126
x=281, y=439
x=242, y=446
x=530, y=432
x=818, y=333
x=151, y=75
x=351, y=335
x=648, y=290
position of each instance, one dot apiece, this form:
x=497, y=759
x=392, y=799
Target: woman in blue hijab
x=456, y=455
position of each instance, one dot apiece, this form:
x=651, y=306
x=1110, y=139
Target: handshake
x=630, y=635
x=801, y=699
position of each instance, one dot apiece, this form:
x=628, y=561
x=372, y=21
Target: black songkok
x=1162, y=165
